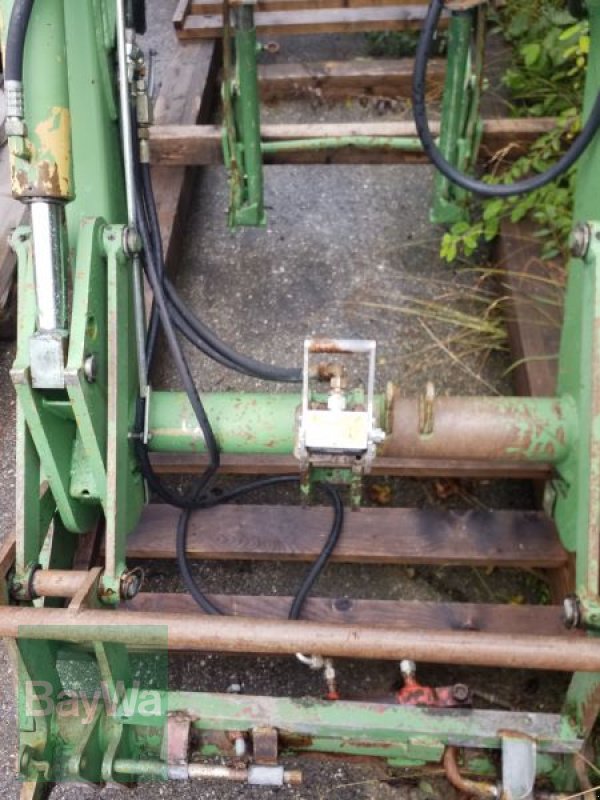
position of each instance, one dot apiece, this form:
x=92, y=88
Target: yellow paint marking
x=54, y=136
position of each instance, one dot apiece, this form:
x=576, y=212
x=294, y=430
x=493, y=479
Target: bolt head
x=131, y=584
x=90, y=368
x=408, y=668
x=132, y=241
x=580, y=240
x=460, y=692
x=342, y=604
x=571, y=611
x=25, y=758
x=378, y=436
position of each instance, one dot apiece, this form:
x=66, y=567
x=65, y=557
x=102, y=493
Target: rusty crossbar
x=245, y=635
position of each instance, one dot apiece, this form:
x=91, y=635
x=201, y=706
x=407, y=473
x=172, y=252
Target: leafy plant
x=547, y=76
x=546, y=79
x=550, y=207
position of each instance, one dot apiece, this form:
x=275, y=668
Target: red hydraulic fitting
x=413, y=694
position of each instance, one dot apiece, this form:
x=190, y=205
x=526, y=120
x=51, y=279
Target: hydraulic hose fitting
x=15, y=106
x=15, y=126
x=316, y=662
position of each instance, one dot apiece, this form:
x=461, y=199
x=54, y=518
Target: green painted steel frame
x=75, y=464
x=461, y=126
x=241, y=134
x=576, y=495
x=137, y=729
x=72, y=469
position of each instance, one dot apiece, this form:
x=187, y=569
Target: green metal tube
x=97, y=159
x=407, y=143
x=248, y=110
x=242, y=422
x=142, y=769
x=341, y=725
x=47, y=170
x=490, y=428
x=455, y=108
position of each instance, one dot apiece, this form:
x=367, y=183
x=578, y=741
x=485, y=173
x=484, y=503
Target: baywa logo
x=114, y=700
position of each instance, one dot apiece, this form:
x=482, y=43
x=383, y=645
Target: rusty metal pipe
x=485, y=428
x=260, y=636
x=483, y=789
x=58, y=582
x=480, y=789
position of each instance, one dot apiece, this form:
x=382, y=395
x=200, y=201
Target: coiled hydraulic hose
x=311, y=576
x=170, y=313
x=437, y=159
x=15, y=40
x=196, y=331
x=153, y=274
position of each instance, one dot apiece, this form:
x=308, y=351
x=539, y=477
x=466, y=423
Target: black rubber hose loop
x=437, y=159
x=311, y=576
x=197, y=333
x=15, y=40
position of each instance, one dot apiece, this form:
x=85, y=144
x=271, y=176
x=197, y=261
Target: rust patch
x=265, y=745
x=19, y=182
x=328, y=346
x=48, y=180
x=295, y=741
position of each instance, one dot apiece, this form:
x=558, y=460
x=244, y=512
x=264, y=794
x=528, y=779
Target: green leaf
x=569, y=32
x=460, y=228
x=531, y=52
x=493, y=209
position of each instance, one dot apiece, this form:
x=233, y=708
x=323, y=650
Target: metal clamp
x=176, y=745
x=332, y=427
x=519, y=756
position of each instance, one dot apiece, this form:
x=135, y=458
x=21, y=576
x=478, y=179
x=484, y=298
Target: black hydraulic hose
x=15, y=40
x=190, y=334
x=192, y=327
x=435, y=156
x=244, y=364
x=170, y=314
x=312, y=575
x=317, y=568
x=180, y=362
x=157, y=241
x=195, y=496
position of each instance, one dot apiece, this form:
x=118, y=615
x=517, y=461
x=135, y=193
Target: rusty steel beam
x=58, y=582
x=484, y=428
x=241, y=635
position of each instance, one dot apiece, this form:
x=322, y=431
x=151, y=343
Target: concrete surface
x=337, y=239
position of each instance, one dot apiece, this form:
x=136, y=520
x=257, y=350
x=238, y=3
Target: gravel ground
x=341, y=242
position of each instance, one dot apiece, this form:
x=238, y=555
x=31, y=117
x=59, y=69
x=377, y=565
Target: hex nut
x=580, y=240
x=571, y=611
x=90, y=368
